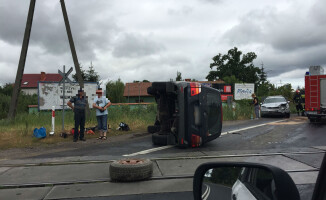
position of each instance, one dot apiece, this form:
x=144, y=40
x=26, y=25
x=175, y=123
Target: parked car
x=275, y=106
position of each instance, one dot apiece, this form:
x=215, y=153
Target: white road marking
x=250, y=127
x=206, y=193
x=149, y=150
x=224, y=133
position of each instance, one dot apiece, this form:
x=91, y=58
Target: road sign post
x=63, y=81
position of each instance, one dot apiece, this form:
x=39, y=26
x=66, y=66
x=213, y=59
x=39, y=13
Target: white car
x=254, y=183
x=275, y=105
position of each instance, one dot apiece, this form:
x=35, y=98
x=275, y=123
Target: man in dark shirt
x=297, y=99
x=256, y=105
x=80, y=103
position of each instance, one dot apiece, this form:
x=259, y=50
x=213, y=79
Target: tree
x=263, y=75
x=285, y=91
x=114, y=91
x=23, y=100
x=179, y=77
x=265, y=89
x=233, y=63
x=145, y=81
x=231, y=79
x=90, y=75
x=83, y=73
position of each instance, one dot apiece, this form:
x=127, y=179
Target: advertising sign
x=51, y=94
x=243, y=90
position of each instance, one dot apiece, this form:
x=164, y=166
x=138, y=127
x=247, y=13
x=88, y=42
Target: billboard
x=243, y=90
x=51, y=94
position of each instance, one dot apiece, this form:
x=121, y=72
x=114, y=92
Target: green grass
x=240, y=112
x=19, y=132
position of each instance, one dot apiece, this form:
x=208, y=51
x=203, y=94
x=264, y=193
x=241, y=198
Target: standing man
x=101, y=103
x=297, y=99
x=80, y=103
x=256, y=105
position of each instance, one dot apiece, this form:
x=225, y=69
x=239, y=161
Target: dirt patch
x=293, y=121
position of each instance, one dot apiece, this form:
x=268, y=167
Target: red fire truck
x=315, y=93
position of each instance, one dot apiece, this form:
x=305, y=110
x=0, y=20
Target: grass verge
x=19, y=132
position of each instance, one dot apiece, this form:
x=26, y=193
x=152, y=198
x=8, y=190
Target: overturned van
x=188, y=114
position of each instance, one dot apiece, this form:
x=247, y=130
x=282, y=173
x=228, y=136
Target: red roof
x=136, y=89
x=30, y=80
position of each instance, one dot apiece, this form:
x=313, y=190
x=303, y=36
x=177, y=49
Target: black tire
x=151, y=91
x=159, y=86
x=160, y=139
x=153, y=129
x=131, y=172
x=287, y=115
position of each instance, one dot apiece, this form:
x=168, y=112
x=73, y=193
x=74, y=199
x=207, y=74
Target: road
x=292, y=144
x=211, y=191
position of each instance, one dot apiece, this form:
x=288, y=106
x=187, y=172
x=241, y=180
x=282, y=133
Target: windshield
x=87, y=83
x=275, y=100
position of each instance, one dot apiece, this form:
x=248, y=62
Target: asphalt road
x=211, y=191
x=294, y=134
x=250, y=137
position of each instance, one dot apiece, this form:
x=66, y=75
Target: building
x=137, y=93
x=30, y=81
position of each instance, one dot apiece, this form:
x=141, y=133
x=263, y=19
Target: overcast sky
x=150, y=39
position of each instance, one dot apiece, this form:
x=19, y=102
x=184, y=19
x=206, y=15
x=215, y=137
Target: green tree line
x=23, y=101
x=236, y=67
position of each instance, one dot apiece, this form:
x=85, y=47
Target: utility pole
x=73, y=52
x=72, y=45
x=22, y=60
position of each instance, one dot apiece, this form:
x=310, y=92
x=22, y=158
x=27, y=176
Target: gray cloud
x=135, y=45
x=185, y=10
x=283, y=30
x=136, y=39
x=283, y=40
x=48, y=29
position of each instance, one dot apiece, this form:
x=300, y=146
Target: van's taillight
x=195, y=140
x=195, y=88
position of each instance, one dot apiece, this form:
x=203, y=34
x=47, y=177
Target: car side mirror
x=237, y=181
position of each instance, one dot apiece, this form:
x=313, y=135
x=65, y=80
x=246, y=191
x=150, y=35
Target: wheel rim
x=131, y=162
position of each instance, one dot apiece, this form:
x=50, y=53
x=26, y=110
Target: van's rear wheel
x=159, y=139
x=153, y=129
x=151, y=91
